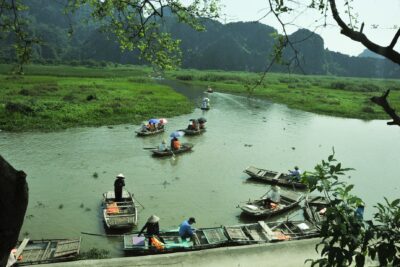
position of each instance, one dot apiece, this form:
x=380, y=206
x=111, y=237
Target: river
x=207, y=183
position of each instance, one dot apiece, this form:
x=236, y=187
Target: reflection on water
x=209, y=182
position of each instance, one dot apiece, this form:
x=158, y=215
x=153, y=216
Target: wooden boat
x=315, y=208
x=205, y=238
x=267, y=176
x=262, y=232
x=223, y=236
x=256, y=208
x=121, y=214
x=185, y=147
x=147, y=132
x=193, y=132
x=47, y=251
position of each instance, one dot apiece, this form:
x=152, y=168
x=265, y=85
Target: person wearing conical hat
x=152, y=228
x=119, y=184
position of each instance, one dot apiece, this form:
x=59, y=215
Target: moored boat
x=315, y=208
x=204, y=238
x=30, y=252
x=269, y=177
x=223, y=236
x=256, y=208
x=262, y=232
x=119, y=214
x=185, y=147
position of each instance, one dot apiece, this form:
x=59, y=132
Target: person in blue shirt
x=185, y=229
x=359, y=212
x=296, y=173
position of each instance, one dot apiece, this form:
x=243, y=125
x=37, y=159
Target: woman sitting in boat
x=273, y=197
x=163, y=146
x=175, y=144
x=152, y=229
x=160, y=125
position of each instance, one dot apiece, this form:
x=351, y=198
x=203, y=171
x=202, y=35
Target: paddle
x=139, y=203
x=149, y=148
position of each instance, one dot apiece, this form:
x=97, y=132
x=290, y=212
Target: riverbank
x=335, y=96
x=49, y=98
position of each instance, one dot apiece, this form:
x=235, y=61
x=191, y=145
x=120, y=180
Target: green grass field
x=57, y=97
x=50, y=98
x=336, y=96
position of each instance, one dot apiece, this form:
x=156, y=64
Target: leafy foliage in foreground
x=347, y=239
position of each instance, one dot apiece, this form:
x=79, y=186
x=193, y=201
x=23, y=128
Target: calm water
x=207, y=183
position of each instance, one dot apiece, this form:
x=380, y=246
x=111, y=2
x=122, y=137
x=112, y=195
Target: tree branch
x=382, y=101
x=387, y=52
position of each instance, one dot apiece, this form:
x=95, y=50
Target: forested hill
x=235, y=46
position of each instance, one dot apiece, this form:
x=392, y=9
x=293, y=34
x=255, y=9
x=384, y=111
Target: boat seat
x=267, y=230
x=262, y=173
x=277, y=176
x=21, y=247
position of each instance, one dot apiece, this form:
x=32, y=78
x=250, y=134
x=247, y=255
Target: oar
x=149, y=148
x=85, y=233
x=139, y=203
x=105, y=235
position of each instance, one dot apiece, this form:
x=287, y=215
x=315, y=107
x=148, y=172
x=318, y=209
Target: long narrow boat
x=262, y=232
x=47, y=251
x=185, y=147
x=315, y=208
x=256, y=208
x=269, y=177
x=203, y=239
x=193, y=132
x=223, y=236
x=147, y=132
x=121, y=214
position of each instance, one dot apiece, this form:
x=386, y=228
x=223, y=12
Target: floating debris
x=26, y=233
x=293, y=148
x=110, y=127
x=248, y=145
x=60, y=206
x=177, y=178
x=39, y=204
x=81, y=206
x=88, y=209
x=95, y=175
x=30, y=216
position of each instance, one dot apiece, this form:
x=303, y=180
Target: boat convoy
x=119, y=212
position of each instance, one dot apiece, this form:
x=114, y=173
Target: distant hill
x=238, y=46
x=369, y=53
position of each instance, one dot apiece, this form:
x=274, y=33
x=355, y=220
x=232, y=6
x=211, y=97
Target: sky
x=384, y=13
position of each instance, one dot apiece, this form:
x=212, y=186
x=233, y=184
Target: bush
x=19, y=108
x=368, y=110
x=185, y=77
x=338, y=85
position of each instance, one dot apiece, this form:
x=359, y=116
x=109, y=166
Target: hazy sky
x=384, y=13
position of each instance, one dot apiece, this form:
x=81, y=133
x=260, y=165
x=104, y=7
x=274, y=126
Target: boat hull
x=270, y=177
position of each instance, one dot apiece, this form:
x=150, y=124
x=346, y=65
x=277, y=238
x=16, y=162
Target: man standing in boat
x=118, y=185
x=185, y=229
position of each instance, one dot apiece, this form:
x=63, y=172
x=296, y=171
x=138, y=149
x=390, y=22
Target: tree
x=137, y=24
x=349, y=28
